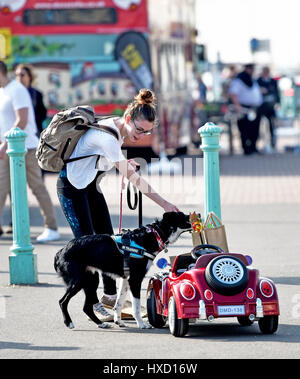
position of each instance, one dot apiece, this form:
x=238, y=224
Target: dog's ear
x=183, y=220
x=168, y=216
x=175, y=218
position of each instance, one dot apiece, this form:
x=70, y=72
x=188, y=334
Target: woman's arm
x=127, y=169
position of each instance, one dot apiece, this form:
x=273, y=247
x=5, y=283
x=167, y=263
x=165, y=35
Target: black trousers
x=268, y=110
x=249, y=132
x=87, y=213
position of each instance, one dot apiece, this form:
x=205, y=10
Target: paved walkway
x=260, y=198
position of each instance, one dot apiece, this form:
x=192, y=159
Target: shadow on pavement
x=28, y=346
x=285, y=333
x=292, y=280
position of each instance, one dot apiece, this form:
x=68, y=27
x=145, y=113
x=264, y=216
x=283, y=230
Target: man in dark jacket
x=269, y=90
x=246, y=98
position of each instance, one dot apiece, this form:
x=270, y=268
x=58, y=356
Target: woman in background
x=25, y=75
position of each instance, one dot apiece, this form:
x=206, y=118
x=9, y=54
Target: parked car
x=207, y=284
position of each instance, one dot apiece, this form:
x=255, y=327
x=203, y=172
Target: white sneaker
x=48, y=235
x=104, y=316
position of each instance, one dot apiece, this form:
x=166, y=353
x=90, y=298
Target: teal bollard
x=210, y=134
x=22, y=261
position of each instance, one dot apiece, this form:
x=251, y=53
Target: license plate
x=229, y=310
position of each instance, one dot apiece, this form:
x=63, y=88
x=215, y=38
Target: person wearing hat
x=246, y=97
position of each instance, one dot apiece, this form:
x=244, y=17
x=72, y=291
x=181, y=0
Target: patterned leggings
x=87, y=213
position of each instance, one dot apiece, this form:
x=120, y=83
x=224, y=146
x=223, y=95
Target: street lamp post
x=22, y=261
x=210, y=134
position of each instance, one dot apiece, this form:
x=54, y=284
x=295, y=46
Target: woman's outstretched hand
x=168, y=207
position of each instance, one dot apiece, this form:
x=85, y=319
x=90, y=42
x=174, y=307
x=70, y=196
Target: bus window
x=70, y=16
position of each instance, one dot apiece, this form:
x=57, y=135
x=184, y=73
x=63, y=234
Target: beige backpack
x=59, y=139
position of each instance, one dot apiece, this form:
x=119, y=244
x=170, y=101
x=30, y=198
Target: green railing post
x=210, y=134
x=22, y=261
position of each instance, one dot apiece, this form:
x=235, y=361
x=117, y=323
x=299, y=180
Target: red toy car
x=208, y=284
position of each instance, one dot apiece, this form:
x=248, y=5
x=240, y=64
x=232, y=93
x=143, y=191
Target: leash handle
x=138, y=201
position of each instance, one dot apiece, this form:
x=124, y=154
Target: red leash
x=121, y=203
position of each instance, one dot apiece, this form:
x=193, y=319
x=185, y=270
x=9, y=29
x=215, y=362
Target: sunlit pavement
x=260, y=197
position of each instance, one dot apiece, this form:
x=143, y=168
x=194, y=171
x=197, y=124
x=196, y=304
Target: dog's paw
x=70, y=325
x=104, y=325
x=120, y=323
x=144, y=325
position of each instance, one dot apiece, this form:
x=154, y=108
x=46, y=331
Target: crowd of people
x=252, y=99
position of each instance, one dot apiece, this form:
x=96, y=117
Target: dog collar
x=160, y=242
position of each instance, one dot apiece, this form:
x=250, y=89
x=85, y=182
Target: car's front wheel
x=155, y=319
x=178, y=327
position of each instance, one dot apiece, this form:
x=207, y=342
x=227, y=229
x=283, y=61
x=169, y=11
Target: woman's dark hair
x=143, y=106
x=3, y=68
x=29, y=70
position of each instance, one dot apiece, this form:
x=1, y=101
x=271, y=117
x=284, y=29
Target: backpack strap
x=104, y=128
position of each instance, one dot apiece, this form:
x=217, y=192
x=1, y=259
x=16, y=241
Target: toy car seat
x=182, y=263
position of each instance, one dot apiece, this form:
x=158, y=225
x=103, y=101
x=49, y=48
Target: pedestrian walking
x=25, y=75
x=246, y=97
x=231, y=74
x=80, y=197
x=271, y=99
x=16, y=110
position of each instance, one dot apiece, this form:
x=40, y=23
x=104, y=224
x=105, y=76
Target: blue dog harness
x=131, y=248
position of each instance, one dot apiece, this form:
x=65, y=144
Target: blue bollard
x=22, y=261
x=210, y=134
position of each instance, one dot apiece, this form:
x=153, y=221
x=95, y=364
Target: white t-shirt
x=250, y=96
x=82, y=172
x=15, y=96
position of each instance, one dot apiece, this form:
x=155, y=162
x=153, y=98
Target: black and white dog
x=80, y=260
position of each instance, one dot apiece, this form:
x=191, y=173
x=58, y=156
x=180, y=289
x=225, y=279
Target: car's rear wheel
x=227, y=275
x=155, y=319
x=178, y=327
x=268, y=324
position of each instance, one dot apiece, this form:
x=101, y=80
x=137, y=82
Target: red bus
x=101, y=52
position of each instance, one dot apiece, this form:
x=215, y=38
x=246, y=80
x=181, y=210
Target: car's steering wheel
x=205, y=249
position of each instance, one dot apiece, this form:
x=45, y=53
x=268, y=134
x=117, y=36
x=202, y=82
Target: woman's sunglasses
x=142, y=131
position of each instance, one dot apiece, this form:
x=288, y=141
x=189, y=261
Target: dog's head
x=175, y=223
